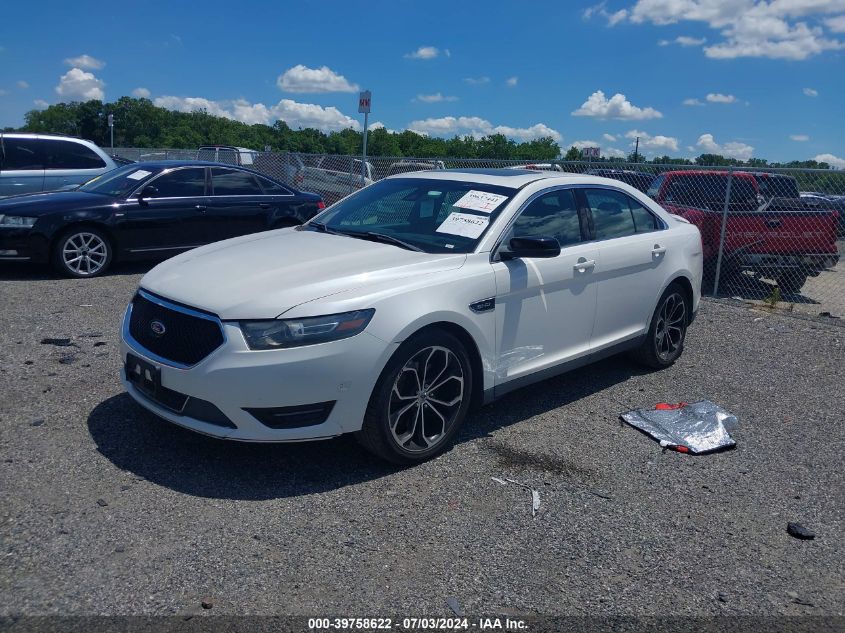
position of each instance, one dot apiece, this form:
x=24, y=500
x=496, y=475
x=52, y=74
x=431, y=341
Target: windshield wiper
x=385, y=239
x=322, y=228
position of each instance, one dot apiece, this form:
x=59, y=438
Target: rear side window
x=654, y=187
x=554, y=215
x=182, y=183
x=21, y=153
x=273, y=189
x=616, y=214
x=229, y=182
x=70, y=155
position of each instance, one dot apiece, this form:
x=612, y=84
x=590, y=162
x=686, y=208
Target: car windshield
x=119, y=182
x=430, y=215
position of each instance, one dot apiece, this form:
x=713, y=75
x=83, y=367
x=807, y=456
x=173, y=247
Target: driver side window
x=554, y=214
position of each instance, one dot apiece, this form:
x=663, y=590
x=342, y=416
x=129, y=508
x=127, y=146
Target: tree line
x=140, y=123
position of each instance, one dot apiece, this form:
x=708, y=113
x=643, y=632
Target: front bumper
x=23, y=244
x=234, y=378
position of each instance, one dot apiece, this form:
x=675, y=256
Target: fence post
x=722, y=232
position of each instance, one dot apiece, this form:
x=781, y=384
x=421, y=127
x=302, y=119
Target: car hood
x=263, y=275
x=37, y=204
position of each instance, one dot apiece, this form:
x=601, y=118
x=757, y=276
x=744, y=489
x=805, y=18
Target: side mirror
x=147, y=192
x=543, y=247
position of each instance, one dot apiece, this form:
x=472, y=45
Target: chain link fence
x=772, y=237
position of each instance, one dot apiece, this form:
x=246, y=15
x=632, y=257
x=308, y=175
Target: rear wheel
x=420, y=400
x=791, y=281
x=664, y=342
x=82, y=252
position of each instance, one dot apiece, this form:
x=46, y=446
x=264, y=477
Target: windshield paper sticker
x=464, y=224
x=139, y=175
x=480, y=201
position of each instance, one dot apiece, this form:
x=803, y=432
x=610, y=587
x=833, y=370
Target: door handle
x=658, y=250
x=201, y=207
x=264, y=205
x=584, y=265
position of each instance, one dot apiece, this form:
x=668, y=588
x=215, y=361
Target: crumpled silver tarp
x=697, y=427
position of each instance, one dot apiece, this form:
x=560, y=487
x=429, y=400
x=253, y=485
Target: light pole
x=111, y=132
x=364, y=100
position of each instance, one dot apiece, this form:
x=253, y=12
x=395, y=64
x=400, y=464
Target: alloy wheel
x=671, y=325
x=425, y=399
x=85, y=253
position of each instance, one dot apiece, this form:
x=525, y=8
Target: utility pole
x=364, y=100
x=111, y=132
x=637, y=151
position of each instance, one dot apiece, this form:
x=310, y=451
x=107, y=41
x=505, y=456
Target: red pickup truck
x=773, y=236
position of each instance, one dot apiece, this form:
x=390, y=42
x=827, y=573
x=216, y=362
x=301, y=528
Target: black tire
x=69, y=247
x=791, y=281
x=379, y=437
x=656, y=350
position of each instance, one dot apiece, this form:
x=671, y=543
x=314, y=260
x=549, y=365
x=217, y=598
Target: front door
x=545, y=308
x=171, y=220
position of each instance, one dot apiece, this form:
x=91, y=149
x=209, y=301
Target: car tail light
x=321, y=204
x=299, y=178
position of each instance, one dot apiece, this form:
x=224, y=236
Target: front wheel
x=82, y=252
x=664, y=342
x=420, y=400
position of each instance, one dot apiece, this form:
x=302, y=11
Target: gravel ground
x=106, y=510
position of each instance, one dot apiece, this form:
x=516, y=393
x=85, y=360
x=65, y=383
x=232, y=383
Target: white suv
x=396, y=310
x=30, y=163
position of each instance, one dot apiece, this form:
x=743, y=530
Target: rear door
x=237, y=205
x=631, y=273
x=69, y=163
x=172, y=221
x=21, y=166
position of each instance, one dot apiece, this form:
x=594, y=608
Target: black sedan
x=146, y=210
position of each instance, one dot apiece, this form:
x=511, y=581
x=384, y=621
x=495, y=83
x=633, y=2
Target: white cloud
x=684, y=40
x=85, y=61
x=830, y=159
x=718, y=97
x=583, y=144
x=653, y=143
x=810, y=92
x=295, y=114
x=141, y=93
x=734, y=149
x=617, y=107
x=836, y=24
x=302, y=79
x=434, y=98
x=692, y=102
x=777, y=29
x=613, y=18
x=799, y=137
x=78, y=85
x=476, y=126
x=22, y=84
x=41, y=104
x=609, y=137
x=512, y=81
x=477, y=81
x=426, y=52
x=612, y=152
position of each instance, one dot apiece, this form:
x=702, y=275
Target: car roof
x=503, y=177
x=514, y=178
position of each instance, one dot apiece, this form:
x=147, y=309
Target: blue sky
x=738, y=77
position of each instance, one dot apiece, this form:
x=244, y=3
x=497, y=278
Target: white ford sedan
x=395, y=311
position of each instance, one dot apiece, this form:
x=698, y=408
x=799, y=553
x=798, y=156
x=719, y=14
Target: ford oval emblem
x=157, y=328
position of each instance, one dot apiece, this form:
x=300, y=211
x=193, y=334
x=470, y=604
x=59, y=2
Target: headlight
x=280, y=333
x=16, y=221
